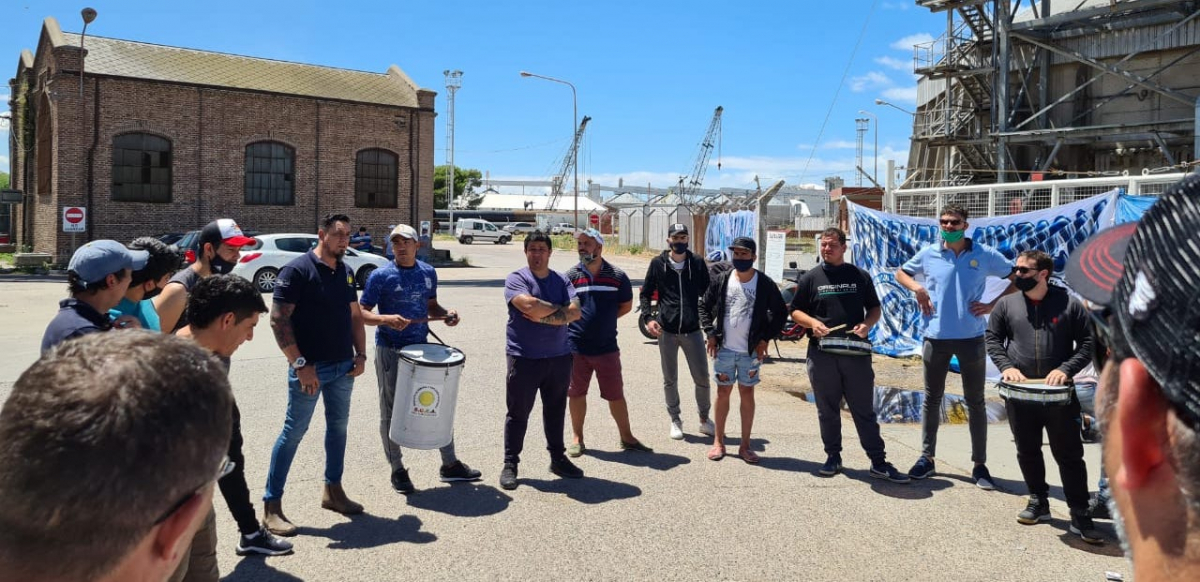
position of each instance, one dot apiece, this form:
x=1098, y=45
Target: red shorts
x=608, y=375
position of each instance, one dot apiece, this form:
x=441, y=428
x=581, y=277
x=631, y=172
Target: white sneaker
x=707, y=428
x=677, y=430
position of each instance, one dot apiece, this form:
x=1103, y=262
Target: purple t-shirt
x=528, y=339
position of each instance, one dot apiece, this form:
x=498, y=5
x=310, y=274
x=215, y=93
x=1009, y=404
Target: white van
x=468, y=230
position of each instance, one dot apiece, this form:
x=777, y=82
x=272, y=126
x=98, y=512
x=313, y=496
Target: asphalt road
x=670, y=515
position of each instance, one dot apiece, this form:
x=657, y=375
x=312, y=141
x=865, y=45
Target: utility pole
x=453, y=82
x=860, y=129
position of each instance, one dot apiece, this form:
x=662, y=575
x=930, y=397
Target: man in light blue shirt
x=954, y=273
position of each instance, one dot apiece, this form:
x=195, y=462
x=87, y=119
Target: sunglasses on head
x=951, y=221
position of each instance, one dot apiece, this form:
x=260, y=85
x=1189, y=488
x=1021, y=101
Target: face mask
x=743, y=265
x=679, y=248
x=219, y=266
x=953, y=236
x=586, y=258
x=1025, y=284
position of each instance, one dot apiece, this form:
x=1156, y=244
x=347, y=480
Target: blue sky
x=649, y=73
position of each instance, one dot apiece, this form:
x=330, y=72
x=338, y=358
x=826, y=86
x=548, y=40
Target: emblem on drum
x=425, y=402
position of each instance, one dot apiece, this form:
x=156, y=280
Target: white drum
x=426, y=395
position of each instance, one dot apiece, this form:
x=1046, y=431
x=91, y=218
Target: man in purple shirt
x=541, y=303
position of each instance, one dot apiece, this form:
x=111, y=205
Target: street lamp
x=453, y=82
x=88, y=14
x=574, y=124
x=875, y=176
x=893, y=106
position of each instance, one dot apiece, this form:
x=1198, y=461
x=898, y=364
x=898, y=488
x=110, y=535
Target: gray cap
x=95, y=260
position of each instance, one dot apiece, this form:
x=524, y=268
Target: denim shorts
x=739, y=365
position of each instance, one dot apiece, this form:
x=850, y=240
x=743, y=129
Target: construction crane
x=689, y=184
x=568, y=163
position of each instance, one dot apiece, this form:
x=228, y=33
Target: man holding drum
x=837, y=302
x=1042, y=333
x=406, y=293
x=955, y=272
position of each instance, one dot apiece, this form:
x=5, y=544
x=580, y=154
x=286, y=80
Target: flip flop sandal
x=749, y=456
x=716, y=453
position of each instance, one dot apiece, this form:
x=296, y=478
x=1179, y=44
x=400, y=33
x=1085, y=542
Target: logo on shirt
x=349, y=279
x=425, y=402
x=428, y=283
x=839, y=289
x=974, y=263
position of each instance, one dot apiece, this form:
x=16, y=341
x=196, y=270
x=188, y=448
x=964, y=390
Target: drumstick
x=837, y=327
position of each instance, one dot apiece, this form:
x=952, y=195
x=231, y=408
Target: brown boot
x=336, y=500
x=275, y=521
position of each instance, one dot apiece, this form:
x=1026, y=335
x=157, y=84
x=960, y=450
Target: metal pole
x=574, y=125
x=453, y=82
x=875, y=175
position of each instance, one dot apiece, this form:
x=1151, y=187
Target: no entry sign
x=74, y=219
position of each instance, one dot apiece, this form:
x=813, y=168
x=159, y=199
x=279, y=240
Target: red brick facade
x=208, y=128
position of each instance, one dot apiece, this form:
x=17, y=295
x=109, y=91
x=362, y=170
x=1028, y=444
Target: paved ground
x=671, y=515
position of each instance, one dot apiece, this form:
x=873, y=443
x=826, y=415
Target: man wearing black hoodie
x=680, y=278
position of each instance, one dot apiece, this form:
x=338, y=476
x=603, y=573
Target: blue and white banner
x=882, y=242
x=724, y=227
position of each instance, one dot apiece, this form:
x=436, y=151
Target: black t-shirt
x=836, y=295
x=322, y=297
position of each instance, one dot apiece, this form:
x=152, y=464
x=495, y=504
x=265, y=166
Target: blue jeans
x=336, y=388
x=738, y=366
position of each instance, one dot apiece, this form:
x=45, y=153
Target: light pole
x=893, y=106
x=875, y=176
x=88, y=14
x=574, y=124
x=453, y=82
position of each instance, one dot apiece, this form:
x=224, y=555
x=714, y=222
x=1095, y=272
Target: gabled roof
x=139, y=60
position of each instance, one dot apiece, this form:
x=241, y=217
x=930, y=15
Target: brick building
x=164, y=139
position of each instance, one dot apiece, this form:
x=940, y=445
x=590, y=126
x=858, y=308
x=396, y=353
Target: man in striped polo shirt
x=605, y=294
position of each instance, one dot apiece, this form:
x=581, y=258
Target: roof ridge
x=194, y=50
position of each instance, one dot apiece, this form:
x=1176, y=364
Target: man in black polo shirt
x=97, y=278
x=319, y=327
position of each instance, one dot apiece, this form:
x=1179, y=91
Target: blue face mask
x=743, y=265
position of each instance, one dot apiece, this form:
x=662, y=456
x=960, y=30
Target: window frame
x=271, y=194
x=155, y=170
x=367, y=188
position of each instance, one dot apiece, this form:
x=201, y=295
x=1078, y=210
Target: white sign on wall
x=74, y=219
x=776, y=247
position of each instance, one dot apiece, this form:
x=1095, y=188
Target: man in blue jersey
x=406, y=293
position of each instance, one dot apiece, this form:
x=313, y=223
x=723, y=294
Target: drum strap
x=435, y=336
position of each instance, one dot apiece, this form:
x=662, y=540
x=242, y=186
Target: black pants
x=233, y=486
x=526, y=377
x=1061, y=422
x=834, y=377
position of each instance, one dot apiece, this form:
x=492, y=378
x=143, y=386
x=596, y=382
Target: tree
x=3, y=180
x=465, y=182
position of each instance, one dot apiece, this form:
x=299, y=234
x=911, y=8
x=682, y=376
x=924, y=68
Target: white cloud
x=870, y=80
x=839, y=144
x=894, y=63
x=906, y=43
x=905, y=94
x=897, y=5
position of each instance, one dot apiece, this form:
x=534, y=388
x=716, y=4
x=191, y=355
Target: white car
x=260, y=262
x=562, y=228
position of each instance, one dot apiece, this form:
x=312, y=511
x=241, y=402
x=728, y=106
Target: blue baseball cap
x=95, y=260
x=595, y=234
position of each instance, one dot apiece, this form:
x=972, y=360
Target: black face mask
x=1025, y=284
x=679, y=248
x=219, y=266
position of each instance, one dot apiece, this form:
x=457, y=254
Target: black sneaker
x=832, y=466
x=563, y=467
x=401, y=483
x=983, y=478
x=263, y=543
x=1085, y=528
x=459, y=471
x=923, y=468
x=508, y=476
x=1037, y=510
x=1098, y=509
x=889, y=472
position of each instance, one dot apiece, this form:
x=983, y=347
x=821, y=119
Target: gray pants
x=834, y=377
x=386, y=364
x=200, y=563
x=697, y=360
x=972, y=364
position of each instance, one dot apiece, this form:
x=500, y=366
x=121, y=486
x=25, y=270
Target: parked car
x=470, y=230
x=260, y=262
x=562, y=228
x=169, y=238
x=520, y=227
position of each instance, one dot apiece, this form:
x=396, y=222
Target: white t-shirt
x=677, y=266
x=739, y=308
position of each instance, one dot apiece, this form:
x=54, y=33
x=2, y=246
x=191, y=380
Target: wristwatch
x=360, y=355
x=299, y=363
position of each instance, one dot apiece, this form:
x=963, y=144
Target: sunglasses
x=1023, y=270
x=951, y=222
x=226, y=468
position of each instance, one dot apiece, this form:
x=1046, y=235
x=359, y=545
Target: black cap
x=744, y=242
x=1148, y=274
x=677, y=228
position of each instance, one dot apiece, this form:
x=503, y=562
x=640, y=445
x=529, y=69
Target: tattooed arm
x=564, y=315
x=281, y=324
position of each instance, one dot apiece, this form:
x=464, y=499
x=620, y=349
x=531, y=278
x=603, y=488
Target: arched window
x=375, y=179
x=45, y=146
x=270, y=177
x=141, y=168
